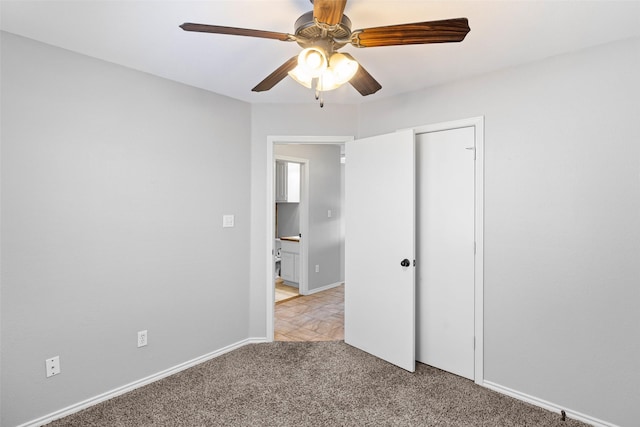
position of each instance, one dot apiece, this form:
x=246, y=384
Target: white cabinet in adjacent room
x=290, y=262
x=293, y=182
x=281, y=181
x=287, y=181
x=288, y=266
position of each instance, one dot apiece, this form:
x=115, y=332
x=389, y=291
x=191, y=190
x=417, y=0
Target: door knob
x=405, y=263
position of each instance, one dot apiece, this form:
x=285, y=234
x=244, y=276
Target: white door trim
x=478, y=124
x=270, y=202
x=304, y=220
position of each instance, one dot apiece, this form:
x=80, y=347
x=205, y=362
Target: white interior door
x=445, y=258
x=380, y=234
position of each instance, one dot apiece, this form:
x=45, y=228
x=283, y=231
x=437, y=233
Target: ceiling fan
x=323, y=31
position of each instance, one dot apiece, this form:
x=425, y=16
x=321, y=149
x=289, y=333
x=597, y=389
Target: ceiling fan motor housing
x=309, y=33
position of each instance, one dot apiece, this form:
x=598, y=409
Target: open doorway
x=370, y=255
x=291, y=219
x=321, y=246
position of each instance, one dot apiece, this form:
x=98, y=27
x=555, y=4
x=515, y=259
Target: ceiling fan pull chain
x=319, y=87
x=315, y=85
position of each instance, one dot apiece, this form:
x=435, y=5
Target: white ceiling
x=144, y=35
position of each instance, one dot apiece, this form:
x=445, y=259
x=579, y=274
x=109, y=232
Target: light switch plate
x=228, y=221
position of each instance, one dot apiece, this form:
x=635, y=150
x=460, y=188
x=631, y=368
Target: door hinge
x=414, y=262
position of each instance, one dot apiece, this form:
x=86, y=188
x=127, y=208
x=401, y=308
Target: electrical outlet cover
x=53, y=366
x=142, y=338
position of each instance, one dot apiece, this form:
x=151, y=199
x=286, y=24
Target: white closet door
x=445, y=262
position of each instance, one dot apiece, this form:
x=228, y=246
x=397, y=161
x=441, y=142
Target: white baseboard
x=324, y=288
x=547, y=405
x=193, y=362
x=137, y=384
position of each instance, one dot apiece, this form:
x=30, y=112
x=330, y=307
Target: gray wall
x=324, y=237
x=562, y=222
x=266, y=120
x=112, y=198
x=114, y=184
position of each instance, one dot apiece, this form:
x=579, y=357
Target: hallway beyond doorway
x=316, y=317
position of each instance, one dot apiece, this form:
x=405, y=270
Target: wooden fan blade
x=217, y=29
x=445, y=31
x=274, y=78
x=328, y=11
x=362, y=81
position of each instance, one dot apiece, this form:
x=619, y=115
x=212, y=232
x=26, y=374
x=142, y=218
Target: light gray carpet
x=311, y=384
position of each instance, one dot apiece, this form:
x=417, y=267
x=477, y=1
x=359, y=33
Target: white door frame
x=478, y=124
x=270, y=237
x=303, y=284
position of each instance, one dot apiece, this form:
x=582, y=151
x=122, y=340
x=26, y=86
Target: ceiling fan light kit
x=324, y=30
x=312, y=61
x=315, y=71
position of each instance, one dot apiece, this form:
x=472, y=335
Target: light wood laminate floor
x=285, y=292
x=316, y=317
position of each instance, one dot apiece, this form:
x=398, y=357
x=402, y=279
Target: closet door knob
x=405, y=263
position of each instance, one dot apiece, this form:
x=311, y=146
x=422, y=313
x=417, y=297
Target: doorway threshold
x=285, y=292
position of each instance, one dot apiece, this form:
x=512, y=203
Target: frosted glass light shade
x=299, y=75
x=343, y=68
x=312, y=61
x=326, y=81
